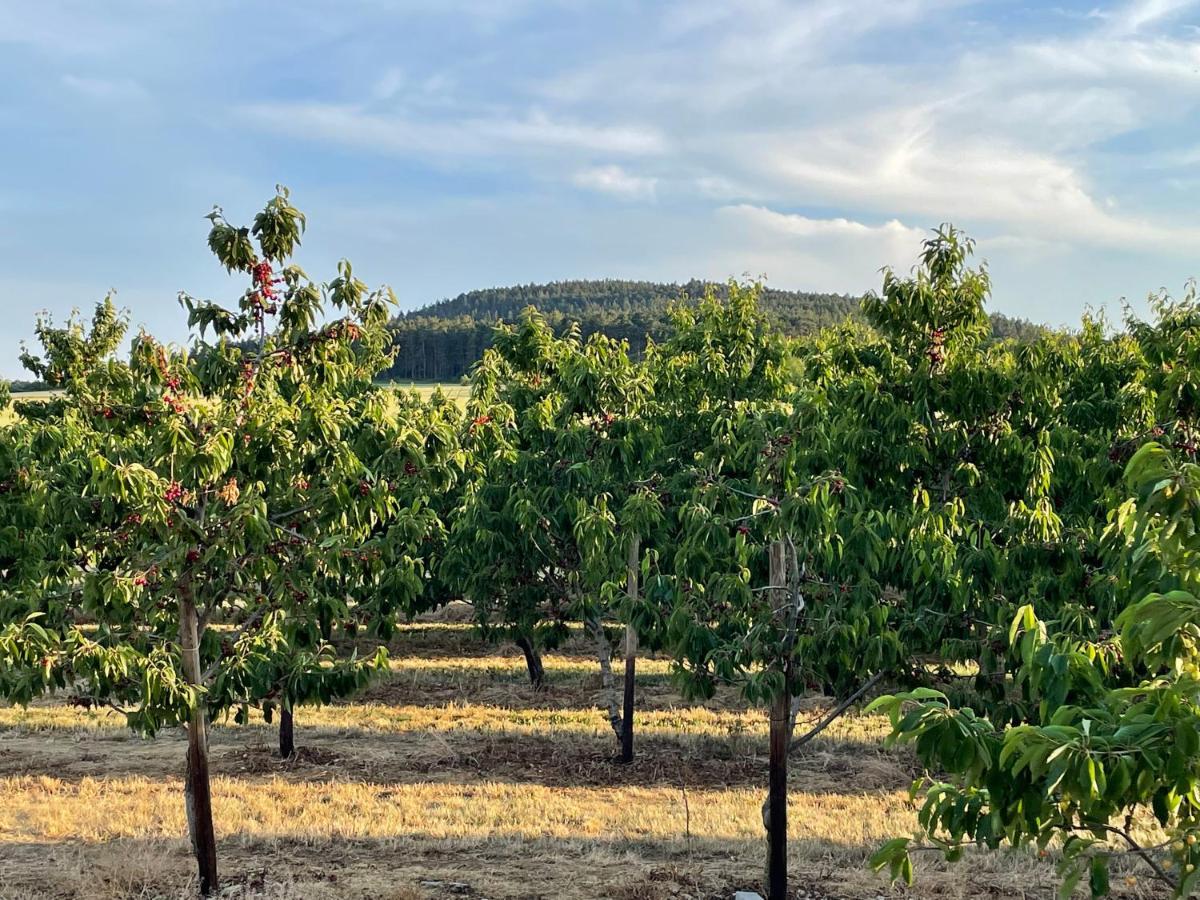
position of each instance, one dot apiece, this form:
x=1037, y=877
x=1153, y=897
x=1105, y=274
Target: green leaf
x=1098, y=876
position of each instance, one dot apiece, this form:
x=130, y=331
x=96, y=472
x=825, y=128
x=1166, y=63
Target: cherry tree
x=213, y=514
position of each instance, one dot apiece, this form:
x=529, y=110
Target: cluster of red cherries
x=936, y=351
x=264, y=286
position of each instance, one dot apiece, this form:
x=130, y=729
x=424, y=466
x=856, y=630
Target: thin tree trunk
x=197, y=790
x=533, y=662
x=287, y=733
x=992, y=665
x=631, y=653
x=607, y=684
x=776, y=813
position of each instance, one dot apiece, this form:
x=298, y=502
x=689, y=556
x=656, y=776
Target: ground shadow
x=415, y=866
x=569, y=759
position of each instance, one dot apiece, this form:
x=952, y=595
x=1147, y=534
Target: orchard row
x=190, y=533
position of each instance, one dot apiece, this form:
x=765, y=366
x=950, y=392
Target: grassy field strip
x=459, y=393
x=452, y=766
x=34, y=395
x=567, y=828
x=473, y=792
x=686, y=722
x=47, y=809
x=514, y=666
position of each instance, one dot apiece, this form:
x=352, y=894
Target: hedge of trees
x=1000, y=532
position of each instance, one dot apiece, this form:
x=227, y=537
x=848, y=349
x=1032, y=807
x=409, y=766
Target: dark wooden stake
x=287, y=733
x=631, y=652
x=197, y=789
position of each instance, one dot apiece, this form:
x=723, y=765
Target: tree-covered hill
x=441, y=341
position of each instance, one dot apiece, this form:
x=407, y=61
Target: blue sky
x=444, y=145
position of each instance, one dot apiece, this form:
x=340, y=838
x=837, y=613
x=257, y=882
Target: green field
x=457, y=392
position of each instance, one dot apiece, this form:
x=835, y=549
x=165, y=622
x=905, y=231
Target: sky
x=445, y=145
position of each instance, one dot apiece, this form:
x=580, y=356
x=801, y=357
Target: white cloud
x=905, y=163
x=615, y=180
x=833, y=254
x=479, y=136
x=389, y=84
x=1168, y=64
x=774, y=31
x=798, y=226
x=62, y=29
x=1001, y=135
x=106, y=89
x=1135, y=15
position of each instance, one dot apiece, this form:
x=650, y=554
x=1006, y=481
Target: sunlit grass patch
x=452, y=766
x=92, y=810
x=456, y=391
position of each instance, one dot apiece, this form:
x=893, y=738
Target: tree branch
x=834, y=714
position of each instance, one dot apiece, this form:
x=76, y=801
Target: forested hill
x=441, y=341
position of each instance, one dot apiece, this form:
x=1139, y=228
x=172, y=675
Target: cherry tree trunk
x=533, y=662
x=197, y=789
x=631, y=653
x=608, y=687
x=776, y=817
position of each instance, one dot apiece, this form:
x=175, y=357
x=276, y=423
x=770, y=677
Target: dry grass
x=454, y=391
x=21, y=396
x=8, y=414
x=454, y=776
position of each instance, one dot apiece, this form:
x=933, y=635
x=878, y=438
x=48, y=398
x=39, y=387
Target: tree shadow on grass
x=418, y=866
x=565, y=759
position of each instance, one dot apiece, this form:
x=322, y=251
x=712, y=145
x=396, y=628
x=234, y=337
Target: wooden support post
x=631, y=651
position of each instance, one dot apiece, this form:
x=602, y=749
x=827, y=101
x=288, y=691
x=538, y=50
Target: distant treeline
x=441, y=342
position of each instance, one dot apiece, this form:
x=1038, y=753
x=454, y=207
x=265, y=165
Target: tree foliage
x=443, y=340
x=1099, y=731
x=557, y=443
x=206, y=519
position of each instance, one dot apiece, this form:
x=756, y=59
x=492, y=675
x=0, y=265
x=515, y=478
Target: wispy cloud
x=479, y=137
x=615, y=180
x=906, y=163
x=1136, y=15
x=107, y=89
x=803, y=227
